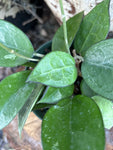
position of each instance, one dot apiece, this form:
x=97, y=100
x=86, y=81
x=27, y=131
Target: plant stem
x=64, y=26
x=11, y=51
x=38, y=55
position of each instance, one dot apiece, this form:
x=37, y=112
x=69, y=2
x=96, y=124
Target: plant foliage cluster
x=70, y=119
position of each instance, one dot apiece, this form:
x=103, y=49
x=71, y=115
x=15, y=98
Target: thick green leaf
x=86, y=90
x=26, y=109
x=58, y=42
x=106, y=107
x=97, y=68
x=94, y=28
x=56, y=69
x=15, y=41
x=53, y=95
x=14, y=92
x=73, y=124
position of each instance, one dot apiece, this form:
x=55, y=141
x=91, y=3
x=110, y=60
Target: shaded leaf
x=106, y=107
x=86, y=90
x=14, y=92
x=42, y=105
x=58, y=42
x=14, y=40
x=40, y=112
x=94, y=28
x=26, y=109
x=44, y=48
x=97, y=68
x=56, y=69
x=73, y=124
x=53, y=95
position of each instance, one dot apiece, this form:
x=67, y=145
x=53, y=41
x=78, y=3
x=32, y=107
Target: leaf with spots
x=14, y=92
x=97, y=68
x=73, y=124
x=94, y=28
x=15, y=47
x=56, y=69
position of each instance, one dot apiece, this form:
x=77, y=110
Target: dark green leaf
x=15, y=41
x=86, y=90
x=42, y=105
x=26, y=109
x=97, y=68
x=44, y=48
x=106, y=107
x=73, y=124
x=94, y=28
x=40, y=113
x=14, y=92
x=29, y=64
x=56, y=69
x=53, y=95
x=58, y=43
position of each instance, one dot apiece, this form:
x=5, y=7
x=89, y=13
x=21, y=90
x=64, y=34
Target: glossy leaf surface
x=56, y=69
x=26, y=109
x=17, y=42
x=94, y=28
x=86, y=90
x=106, y=107
x=58, y=42
x=14, y=92
x=53, y=95
x=97, y=68
x=71, y=122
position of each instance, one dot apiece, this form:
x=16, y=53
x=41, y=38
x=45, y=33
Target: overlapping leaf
x=14, y=92
x=58, y=42
x=71, y=122
x=106, y=107
x=97, y=68
x=53, y=95
x=94, y=28
x=86, y=90
x=56, y=69
x=26, y=109
x=13, y=42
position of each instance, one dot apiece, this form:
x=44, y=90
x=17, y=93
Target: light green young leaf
x=94, y=28
x=58, y=42
x=97, y=68
x=14, y=92
x=106, y=108
x=56, y=69
x=71, y=122
x=53, y=95
x=13, y=42
x=26, y=109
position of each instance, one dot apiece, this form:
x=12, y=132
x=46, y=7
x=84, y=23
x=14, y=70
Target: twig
x=64, y=26
x=31, y=12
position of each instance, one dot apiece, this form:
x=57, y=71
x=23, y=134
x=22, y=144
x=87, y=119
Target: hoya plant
x=70, y=86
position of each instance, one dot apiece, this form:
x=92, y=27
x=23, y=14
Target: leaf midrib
x=105, y=65
x=56, y=70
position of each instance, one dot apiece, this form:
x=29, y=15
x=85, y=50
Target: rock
x=73, y=7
